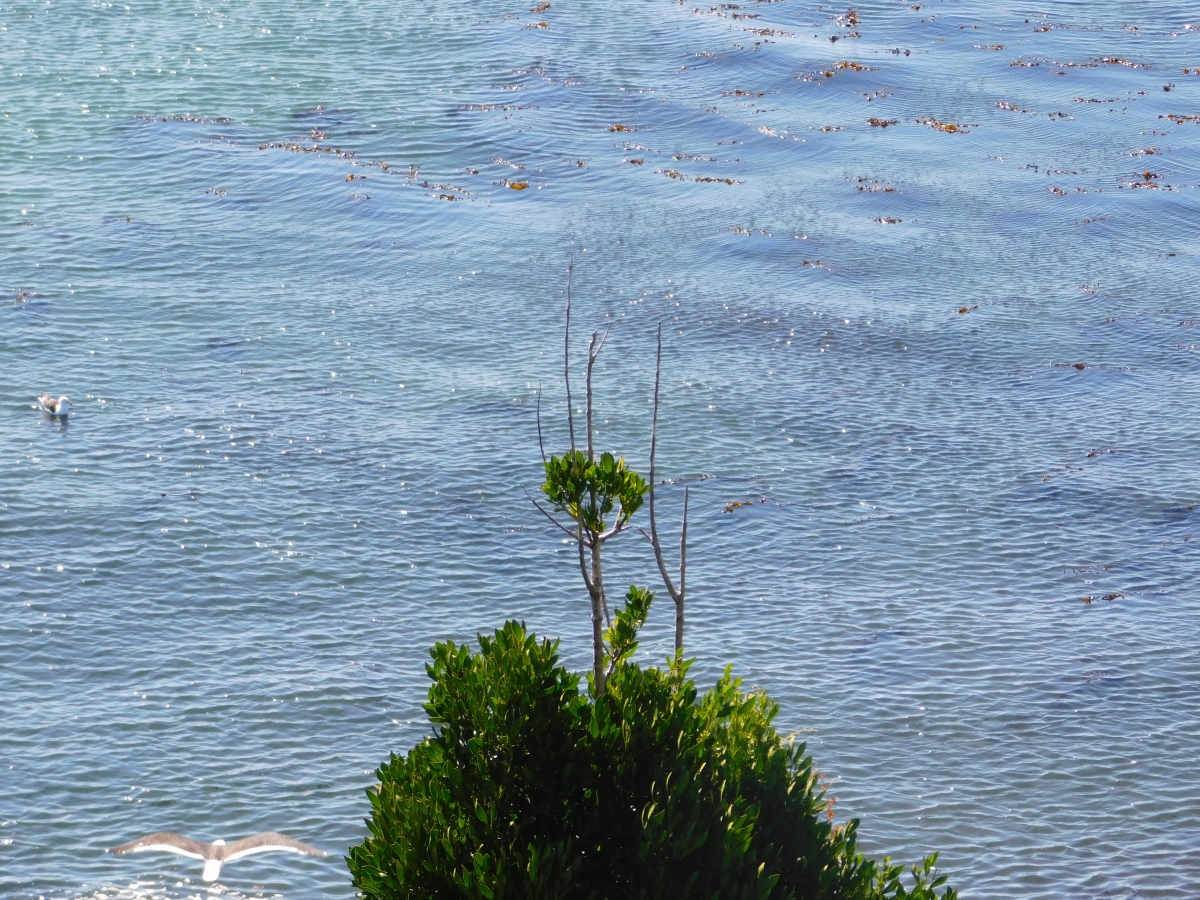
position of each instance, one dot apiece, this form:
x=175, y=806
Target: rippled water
x=276, y=256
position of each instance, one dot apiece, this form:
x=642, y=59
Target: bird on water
x=218, y=852
x=59, y=407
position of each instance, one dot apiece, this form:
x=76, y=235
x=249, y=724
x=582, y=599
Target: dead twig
x=677, y=594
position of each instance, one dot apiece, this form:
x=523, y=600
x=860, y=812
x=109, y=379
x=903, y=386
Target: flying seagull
x=59, y=407
x=217, y=853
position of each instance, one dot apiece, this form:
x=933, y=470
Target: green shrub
x=531, y=789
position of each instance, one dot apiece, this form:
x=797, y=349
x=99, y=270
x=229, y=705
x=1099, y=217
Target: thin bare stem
x=567, y=353
x=595, y=538
x=543, y=511
x=676, y=594
x=682, y=576
x=607, y=331
x=592, y=351
x=541, y=443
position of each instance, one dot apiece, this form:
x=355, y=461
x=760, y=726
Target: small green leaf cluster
x=621, y=638
x=589, y=489
x=530, y=788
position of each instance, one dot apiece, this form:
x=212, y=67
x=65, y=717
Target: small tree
x=589, y=489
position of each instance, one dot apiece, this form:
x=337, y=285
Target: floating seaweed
x=846, y=65
x=738, y=504
x=196, y=120
x=882, y=123
x=1119, y=61
x=873, y=186
x=699, y=179
x=888, y=220
x=302, y=148
x=446, y=191
x=1092, y=598
x=948, y=127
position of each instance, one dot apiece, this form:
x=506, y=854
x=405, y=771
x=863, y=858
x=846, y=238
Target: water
x=305, y=383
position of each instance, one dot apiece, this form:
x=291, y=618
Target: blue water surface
x=928, y=281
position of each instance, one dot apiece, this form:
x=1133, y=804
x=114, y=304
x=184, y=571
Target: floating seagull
x=57, y=407
x=217, y=853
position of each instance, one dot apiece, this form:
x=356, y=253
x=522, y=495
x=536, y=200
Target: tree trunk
x=678, y=625
x=597, y=592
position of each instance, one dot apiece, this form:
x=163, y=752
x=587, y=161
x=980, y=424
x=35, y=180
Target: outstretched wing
x=166, y=841
x=265, y=842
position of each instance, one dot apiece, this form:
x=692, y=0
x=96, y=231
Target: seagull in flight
x=59, y=407
x=217, y=853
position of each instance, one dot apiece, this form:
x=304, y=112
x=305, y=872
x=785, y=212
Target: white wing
x=167, y=842
x=265, y=842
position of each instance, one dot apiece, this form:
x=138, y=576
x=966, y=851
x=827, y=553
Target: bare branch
x=592, y=351
x=683, y=546
x=682, y=576
x=603, y=339
x=595, y=538
x=677, y=596
x=617, y=528
x=541, y=445
x=543, y=511
x=567, y=353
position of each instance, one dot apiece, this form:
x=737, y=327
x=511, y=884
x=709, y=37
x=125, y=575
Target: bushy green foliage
x=588, y=488
x=531, y=789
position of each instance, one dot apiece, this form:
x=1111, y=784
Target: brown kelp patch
x=948, y=127
x=847, y=65
x=1092, y=598
x=676, y=175
x=739, y=504
x=873, y=186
